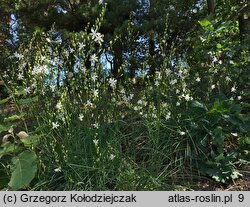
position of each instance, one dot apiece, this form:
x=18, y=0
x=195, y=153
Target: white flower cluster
x=96, y=36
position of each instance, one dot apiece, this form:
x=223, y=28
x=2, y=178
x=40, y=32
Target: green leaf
x=24, y=170
x=4, y=178
x=218, y=138
x=13, y=117
x=4, y=100
x=20, y=91
x=245, y=140
x=38, y=30
x=8, y=148
x=31, y=140
x=220, y=107
x=5, y=127
x=204, y=23
x=197, y=104
x=27, y=100
x=219, y=46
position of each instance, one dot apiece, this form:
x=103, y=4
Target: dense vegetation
x=123, y=95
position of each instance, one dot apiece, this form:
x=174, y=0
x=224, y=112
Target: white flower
x=48, y=40
x=239, y=97
x=59, y=169
x=17, y=55
x=20, y=76
x=33, y=85
x=81, y=116
x=233, y=89
x=89, y=103
x=195, y=11
x=187, y=97
x=96, y=125
x=111, y=157
x=198, y=79
x=95, y=93
x=55, y=125
x=112, y=82
x=167, y=71
x=184, y=85
x=81, y=45
x=27, y=89
x=157, y=83
x=168, y=116
x=231, y=62
x=123, y=91
x=53, y=87
x=158, y=75
x=93, y=58
x=71, y=50
x=215, y=59
x=172, y=82
x=139, y=102
x=94, y=77
x=131, y=96
x=96, y=36
x=96, y=142
x=182, y=133
x=213, y=86
x=136, y=108
x=59, y=105
x=234, y=134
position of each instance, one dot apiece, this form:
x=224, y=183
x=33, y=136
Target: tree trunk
x=244, y=22
x=211, y=6
x=4, y=21
x=151, y=43
x=117, y=49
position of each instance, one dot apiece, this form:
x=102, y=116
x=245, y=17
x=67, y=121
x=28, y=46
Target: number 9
x=241, y=197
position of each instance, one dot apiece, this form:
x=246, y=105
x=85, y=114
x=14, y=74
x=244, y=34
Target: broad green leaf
x=8, y=148
x=5, y=127
x=204, y=23
x=31, y=140
x=4, y=178
x=24, y=170
x=4, y=100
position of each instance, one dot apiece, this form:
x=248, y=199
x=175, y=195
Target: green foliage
x=17, y=155
x=184, y=108
x=23, y=170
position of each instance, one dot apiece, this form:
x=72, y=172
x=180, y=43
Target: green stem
x=15, y=102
